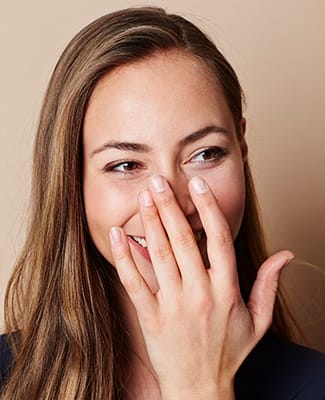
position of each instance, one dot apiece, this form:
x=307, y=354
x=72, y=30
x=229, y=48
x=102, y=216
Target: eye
x=209, y=155
x=124, y=167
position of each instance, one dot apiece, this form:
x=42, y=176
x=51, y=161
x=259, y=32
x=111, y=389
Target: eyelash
x=113, y=167
x=218, y=153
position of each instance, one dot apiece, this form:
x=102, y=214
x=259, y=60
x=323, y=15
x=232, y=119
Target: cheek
x=105, y=206
x=229, y=190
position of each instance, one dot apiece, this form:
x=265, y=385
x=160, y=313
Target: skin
x=188, y=321
x=124, y=108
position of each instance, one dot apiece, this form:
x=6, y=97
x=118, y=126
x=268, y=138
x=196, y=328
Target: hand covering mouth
x=143, y=243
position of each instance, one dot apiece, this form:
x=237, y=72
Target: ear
x=242, y=140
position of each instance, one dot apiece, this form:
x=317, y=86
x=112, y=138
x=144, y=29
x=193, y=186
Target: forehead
x=165, y=92
x=168, y=67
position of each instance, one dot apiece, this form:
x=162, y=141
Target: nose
x=179, y=185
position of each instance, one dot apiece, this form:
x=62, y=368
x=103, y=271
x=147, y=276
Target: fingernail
x=289, y=259
x=199, y=185
x=115, y=235
x=145, y=198
x=158, y=183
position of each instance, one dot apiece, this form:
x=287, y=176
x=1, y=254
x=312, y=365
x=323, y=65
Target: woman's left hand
x=197, y=328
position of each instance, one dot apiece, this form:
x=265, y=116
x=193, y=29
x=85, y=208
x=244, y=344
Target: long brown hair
x=62, y=298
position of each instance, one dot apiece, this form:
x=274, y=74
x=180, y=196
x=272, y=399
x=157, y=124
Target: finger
x=161, y=253
x=263, y=294
x=220, y=248
x=179, y=231
x=134, y=284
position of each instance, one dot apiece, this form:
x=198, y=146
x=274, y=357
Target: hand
x=197, y=328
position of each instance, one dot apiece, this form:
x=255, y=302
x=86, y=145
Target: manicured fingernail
x=115, y=235
x=158, y=183
x=199, y=185
x=145, y=198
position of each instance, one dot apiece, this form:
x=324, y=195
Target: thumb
x=263, y=294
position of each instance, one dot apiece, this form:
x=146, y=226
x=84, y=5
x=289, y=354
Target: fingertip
x=286, y=257
x=116, y=236
x=198, y=185
x=290, y=257
x=279, y=260
x=157, y=183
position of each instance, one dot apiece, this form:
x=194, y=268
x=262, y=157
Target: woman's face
x=161, y=116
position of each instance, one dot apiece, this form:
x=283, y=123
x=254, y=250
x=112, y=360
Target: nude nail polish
x=158, y=183
x=199, y=185
x=115, y=235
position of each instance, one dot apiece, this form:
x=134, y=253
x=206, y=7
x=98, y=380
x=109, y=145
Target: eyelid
x=222, y=151
x=110, y=167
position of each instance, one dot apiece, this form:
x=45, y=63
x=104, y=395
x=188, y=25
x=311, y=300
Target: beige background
x=278, y=50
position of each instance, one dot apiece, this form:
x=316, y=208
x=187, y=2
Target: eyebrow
x=144, y=148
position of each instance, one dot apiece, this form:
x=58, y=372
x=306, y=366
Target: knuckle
x=164, y=201
x=132, y=284
x=150, y=216
x=185, y=239
x=224, y=238
x=273, y=287
x=120, y=255
x=162, y=253
x=205, y=304
x=178, y=305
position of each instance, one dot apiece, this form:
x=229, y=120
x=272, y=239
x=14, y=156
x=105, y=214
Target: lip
x=143, y=251
x=198, y=234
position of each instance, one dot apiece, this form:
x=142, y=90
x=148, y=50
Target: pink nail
x=158, y=183
x=145, y=198
x=199, y=185
x=115, y=235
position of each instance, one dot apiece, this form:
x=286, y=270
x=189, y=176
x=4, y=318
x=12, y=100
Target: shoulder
x=280, y=370
x=6, y=358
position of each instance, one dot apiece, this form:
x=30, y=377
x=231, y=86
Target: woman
x=143, y=275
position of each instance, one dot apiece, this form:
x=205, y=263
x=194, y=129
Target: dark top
x=274, y=370
x=5, y=359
